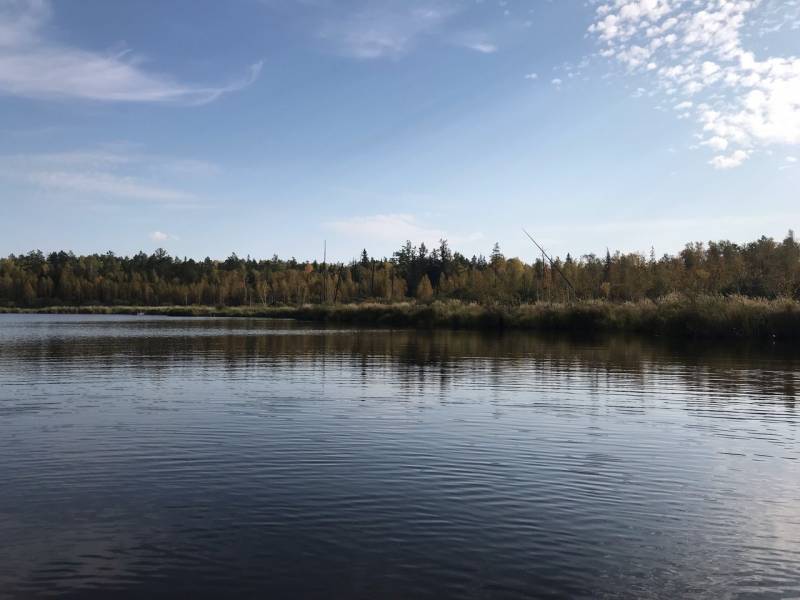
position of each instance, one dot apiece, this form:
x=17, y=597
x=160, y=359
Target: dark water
x=144, y=457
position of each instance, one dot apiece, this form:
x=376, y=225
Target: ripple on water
x=211, y=457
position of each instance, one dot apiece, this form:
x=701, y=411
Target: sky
x=266, y=127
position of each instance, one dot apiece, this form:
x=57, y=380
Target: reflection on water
x=205, y=457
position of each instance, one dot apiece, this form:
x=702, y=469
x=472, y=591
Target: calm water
x=150, y=457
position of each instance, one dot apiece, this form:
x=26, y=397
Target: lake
x=152, y=457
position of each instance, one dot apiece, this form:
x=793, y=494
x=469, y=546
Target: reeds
x=672, y=316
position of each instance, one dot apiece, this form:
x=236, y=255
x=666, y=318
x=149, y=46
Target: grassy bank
x=705, y=317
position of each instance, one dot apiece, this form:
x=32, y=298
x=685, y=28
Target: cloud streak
x=394, y=229
x=384, y=30
x=107, y=174
x=482, y=47
x=107, y=184
x=32, y=66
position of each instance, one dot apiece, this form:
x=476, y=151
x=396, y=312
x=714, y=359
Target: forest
x=765, y=268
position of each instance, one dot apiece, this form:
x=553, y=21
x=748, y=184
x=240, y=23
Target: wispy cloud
x=107, y=184
x=392, y=29
x=478, y=41
x=694, y=51
x=389, y=227
x=388, y=29
x=482, y=47
x=102, y=173
x=35, y=67
x=789, y=162
x=395, y=229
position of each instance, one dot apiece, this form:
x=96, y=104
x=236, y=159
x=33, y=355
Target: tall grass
x=674, y=316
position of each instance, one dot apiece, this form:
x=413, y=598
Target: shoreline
x=691, y=318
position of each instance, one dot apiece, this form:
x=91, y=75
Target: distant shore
x=701, y=317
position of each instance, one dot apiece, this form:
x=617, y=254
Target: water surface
x=160, y=457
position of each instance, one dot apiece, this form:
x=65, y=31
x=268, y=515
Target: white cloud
x=634, y=56
x=35, y=67
x=532, y=76
x=791, y=159
x=730, y=161
x=159, y=236
x=717, y=143
x=740, y=101
x=556, y=82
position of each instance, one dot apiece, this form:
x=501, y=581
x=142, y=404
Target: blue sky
x=268, y=126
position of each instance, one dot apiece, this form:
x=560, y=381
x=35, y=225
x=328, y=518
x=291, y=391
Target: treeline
x=765, y=268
